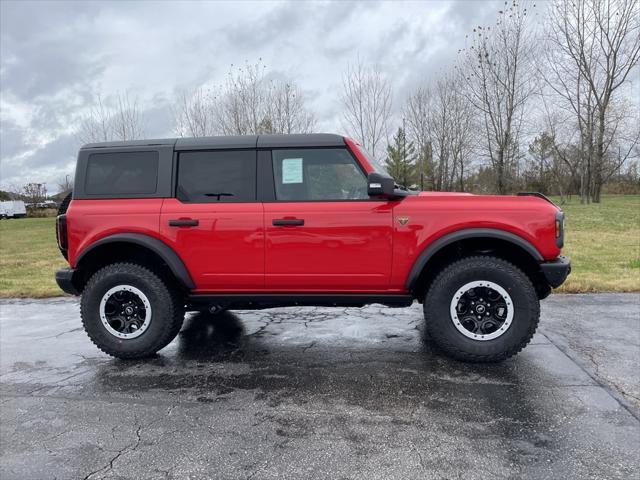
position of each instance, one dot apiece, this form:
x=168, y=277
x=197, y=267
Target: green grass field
x=603, y=241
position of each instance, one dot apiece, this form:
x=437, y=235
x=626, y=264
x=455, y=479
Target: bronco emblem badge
x=402, y=220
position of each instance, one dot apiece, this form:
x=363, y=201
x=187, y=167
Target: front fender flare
x=464, y=234
x=164, y=251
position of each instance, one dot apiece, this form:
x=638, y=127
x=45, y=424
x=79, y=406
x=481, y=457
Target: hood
x=530, y=198
x=443, y=194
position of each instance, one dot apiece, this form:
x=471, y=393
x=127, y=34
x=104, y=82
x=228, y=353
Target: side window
x=317, y=174
x=122, y=173
x=220, y=176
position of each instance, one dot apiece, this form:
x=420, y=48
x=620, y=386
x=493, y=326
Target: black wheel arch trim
x=465, y=234
x=164, y=251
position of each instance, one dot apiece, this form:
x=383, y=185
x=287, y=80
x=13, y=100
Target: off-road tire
x=438, y=319
x=167, y=311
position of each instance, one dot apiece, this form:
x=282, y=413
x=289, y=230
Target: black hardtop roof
x=232, y=141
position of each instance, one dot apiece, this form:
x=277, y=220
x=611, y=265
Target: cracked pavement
x=321, y=393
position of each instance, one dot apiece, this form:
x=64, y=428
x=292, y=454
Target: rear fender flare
x=164, y=251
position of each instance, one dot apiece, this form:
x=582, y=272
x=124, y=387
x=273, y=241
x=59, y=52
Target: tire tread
x=454, y=351
x=170, y=329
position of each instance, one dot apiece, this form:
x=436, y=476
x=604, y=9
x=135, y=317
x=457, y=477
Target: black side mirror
x=381, y=185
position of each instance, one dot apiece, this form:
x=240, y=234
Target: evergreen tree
x=400, y=161
x=425, y=168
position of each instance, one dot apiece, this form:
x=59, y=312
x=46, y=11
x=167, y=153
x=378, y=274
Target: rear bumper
x=556, y=271
x=64, y=279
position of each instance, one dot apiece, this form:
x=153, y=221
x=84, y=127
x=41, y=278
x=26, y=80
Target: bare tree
x=120, y=121
x=440, y=122
x=246, y=103
x=65, y=184
x=367, y=100
x=241, y=108
x=286, y=109
x=35, y=192
x=462, y=138
x=195, y=114
x=15, y=191
x=96, y=125
x=126, y=120
x=594, y=45
x=499, y=71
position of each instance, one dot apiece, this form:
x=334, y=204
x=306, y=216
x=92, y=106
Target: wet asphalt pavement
x=321, y=393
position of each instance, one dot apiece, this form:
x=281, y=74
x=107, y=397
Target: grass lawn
x=603, y=241
x=29, y=256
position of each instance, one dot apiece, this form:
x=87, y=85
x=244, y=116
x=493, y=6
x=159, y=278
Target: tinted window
x=122, y=173
x=318, y=174
x=223, y=176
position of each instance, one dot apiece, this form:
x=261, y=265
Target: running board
x=260, y=301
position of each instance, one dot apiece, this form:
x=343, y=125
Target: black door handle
x=184, y=222
x=287, y=222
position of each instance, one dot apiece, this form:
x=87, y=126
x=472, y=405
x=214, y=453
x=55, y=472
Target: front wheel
x=481, y=309
x=129, y=312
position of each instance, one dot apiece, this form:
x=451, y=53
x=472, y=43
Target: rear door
x=323, y=233
x=215, y=223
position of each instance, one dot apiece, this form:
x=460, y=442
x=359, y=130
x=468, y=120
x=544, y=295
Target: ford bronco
x=155, y=228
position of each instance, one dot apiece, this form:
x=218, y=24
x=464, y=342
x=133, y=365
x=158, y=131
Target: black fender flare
x=464, y=234
x=164, y=251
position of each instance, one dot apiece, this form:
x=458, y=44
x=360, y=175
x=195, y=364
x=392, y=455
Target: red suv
x=159, y=227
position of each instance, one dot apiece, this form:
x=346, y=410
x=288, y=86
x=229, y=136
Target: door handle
x=183, y=222
x=287, y=222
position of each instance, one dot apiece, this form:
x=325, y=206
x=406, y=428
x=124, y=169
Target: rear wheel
x=481, y=309
x=129, y=312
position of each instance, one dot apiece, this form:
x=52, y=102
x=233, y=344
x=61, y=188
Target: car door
x=323, y=232
x=215, y=223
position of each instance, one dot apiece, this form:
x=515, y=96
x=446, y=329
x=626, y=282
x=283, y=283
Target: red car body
x=235, y=247
x=158, y=227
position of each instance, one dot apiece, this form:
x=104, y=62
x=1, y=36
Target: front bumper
x=556, y=271
x=65, y=280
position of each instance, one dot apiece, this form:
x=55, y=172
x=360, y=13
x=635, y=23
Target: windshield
x=377, y=165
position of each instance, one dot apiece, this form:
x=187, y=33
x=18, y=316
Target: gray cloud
x=13, y=139
x=55, y=57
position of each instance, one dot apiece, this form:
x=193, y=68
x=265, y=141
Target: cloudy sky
x=56, y=57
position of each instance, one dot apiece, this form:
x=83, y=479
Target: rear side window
x=220, y=176
x=122, y=173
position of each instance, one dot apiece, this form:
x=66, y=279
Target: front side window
x=220, y=176
x=122, y=173
x=317, y=174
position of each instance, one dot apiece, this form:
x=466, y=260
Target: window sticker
x=291, y=170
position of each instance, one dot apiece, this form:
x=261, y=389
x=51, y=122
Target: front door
x=323, y=233
x=215, y=224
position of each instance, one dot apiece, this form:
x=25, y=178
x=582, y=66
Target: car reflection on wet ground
x=321, y=393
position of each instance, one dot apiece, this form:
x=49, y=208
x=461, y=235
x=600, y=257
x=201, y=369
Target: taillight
x=61, y=233
x=560, y=229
